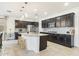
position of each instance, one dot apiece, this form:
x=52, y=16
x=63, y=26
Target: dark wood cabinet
x=70, y=20
x=69, y=41
x=62, y=39
x=58, y=22
x=43, y=42
x=52, y=37
x=44, y=24
x=36, y=24
x=20, y=24
x=66, y=20
x=63, y=21
x=1, y=40
x=51, y=23
x=23, y=24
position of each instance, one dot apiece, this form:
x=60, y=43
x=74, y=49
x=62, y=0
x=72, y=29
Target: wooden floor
x=11, y=48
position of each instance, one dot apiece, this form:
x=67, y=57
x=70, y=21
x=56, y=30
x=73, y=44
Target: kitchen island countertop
x=33, y=34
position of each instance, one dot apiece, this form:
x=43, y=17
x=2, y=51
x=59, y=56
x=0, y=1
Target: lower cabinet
x=0, y=43
x=1, y=40
x=62, y=39
x=43, y=42
x=69, y=41
x=52, y=38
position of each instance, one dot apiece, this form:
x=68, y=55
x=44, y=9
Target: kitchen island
x=35, y=41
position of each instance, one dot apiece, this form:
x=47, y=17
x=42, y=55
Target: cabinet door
x=0, y=43
x=61, y=39
x=17, y=24
x=54, y=38
x=63, y=18
x=51, y=38
x=68, y=40
x=43, y=24
x=46, y=24
x=51, y=23
x=70, y=20
x=58, y=23
x=43, y=42
x=35, y=24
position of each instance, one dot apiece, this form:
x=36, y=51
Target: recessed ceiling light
x=22, y=6
x=35, y=10
x=66, y=4
x=45, y=13
x=25, y=2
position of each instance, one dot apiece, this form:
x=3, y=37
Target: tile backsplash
x=62, y=30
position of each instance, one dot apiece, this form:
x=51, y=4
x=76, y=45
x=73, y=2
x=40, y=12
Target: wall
x=2, y=25
x=63, y=30
x=58, y=30
x=10, y=25
x=10, y=28
x=29, y=19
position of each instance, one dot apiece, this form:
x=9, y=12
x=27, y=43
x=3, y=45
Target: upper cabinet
x=20, y=24
x=45, y=24
x=51, y=23
x=66, y=20
x=23, y=24
x=70, y=20
x=63, y=21
x=35, y=24
x=58, y=21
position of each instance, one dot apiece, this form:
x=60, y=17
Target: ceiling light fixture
x=66, y=4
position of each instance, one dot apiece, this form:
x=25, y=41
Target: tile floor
x=11, y=48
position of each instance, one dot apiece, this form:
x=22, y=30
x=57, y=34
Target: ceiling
x=33, y=10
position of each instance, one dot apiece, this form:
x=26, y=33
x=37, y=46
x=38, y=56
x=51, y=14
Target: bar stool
x=21, y=42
